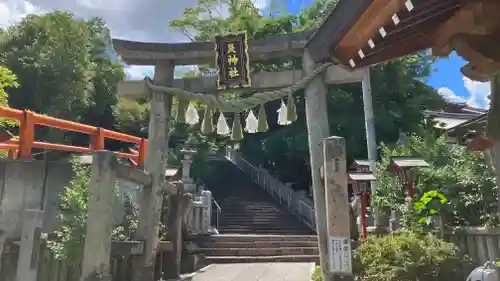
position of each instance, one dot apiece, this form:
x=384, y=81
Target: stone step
x=259, y=231
x=276, y=222
x=274, y=219
x=249, y=224
x=256, y=238
x=257, y=210
x=258, y=244
x=283, y=217
x=252, y=213
x=252, y=259
x=249, y=204
x=263, y=232
x=264, y=223
x=282, y=251
x=247, y=208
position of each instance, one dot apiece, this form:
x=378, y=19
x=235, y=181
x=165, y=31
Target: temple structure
x=453, y=116
x=361, y=33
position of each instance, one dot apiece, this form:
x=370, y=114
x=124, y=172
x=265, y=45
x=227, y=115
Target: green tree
x=399, y=95
x=8, y=80
x=131, y=116
x=462, y=176
x=63, y=66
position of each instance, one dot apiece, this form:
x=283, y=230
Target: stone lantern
x=188, y=152
x=360, y=182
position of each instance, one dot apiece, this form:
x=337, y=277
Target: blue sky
x=446, y=77
x=451, y=84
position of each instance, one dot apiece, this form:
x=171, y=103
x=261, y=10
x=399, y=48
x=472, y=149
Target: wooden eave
x=415, y=31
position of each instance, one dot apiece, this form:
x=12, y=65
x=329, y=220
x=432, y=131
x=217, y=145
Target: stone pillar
x=97, y=247
x=3, y=241
x=156, y=156
x=197, y=218
x=393, y=220
x=338, y=210
x=318, y=129
x=188, y=154
x=206, y=196
x=356, y=208
x=27, y=265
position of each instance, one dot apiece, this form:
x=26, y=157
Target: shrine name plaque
x=232, y=61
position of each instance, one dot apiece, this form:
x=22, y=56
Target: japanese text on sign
x=339, y=251
x=232, y=61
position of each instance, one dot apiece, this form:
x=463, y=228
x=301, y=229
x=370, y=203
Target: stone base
x=192, y=262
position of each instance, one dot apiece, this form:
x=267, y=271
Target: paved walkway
x=254, y=272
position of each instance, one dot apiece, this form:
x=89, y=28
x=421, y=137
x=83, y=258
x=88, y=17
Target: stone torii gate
x=165, y=57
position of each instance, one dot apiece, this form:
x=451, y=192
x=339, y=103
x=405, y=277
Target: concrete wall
x=22, y=187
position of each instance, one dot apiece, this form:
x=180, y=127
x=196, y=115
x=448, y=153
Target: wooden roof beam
x=414, y=44
x=423, y=23
x=368, y=25
x=335, y=26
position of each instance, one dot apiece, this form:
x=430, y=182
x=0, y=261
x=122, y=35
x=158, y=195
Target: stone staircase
x=253, y=227
x=246, y=208
x=244, y=248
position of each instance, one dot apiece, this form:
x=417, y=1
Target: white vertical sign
x=339, y=250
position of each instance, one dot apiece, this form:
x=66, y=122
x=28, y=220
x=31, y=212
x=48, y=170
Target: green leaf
x=419, y=205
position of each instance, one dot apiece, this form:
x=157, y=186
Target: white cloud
x=478, y=93
x=138, y=72
x=261, y=4
x=145, y=20
x=449, y=95
x=13, y=11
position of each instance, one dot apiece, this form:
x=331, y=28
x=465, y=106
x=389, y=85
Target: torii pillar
x=318, y=131
x=156, y=164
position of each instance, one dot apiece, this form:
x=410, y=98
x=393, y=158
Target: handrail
x=217, y=213
x=22, y=148
x=285, y=195
x=217, y=205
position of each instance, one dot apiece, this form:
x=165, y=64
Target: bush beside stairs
x=253, y=227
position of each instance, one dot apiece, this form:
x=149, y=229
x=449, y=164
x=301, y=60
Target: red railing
x=23, y=147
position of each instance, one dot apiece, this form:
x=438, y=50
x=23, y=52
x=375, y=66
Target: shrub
x=316, y=275
x=407, y=256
